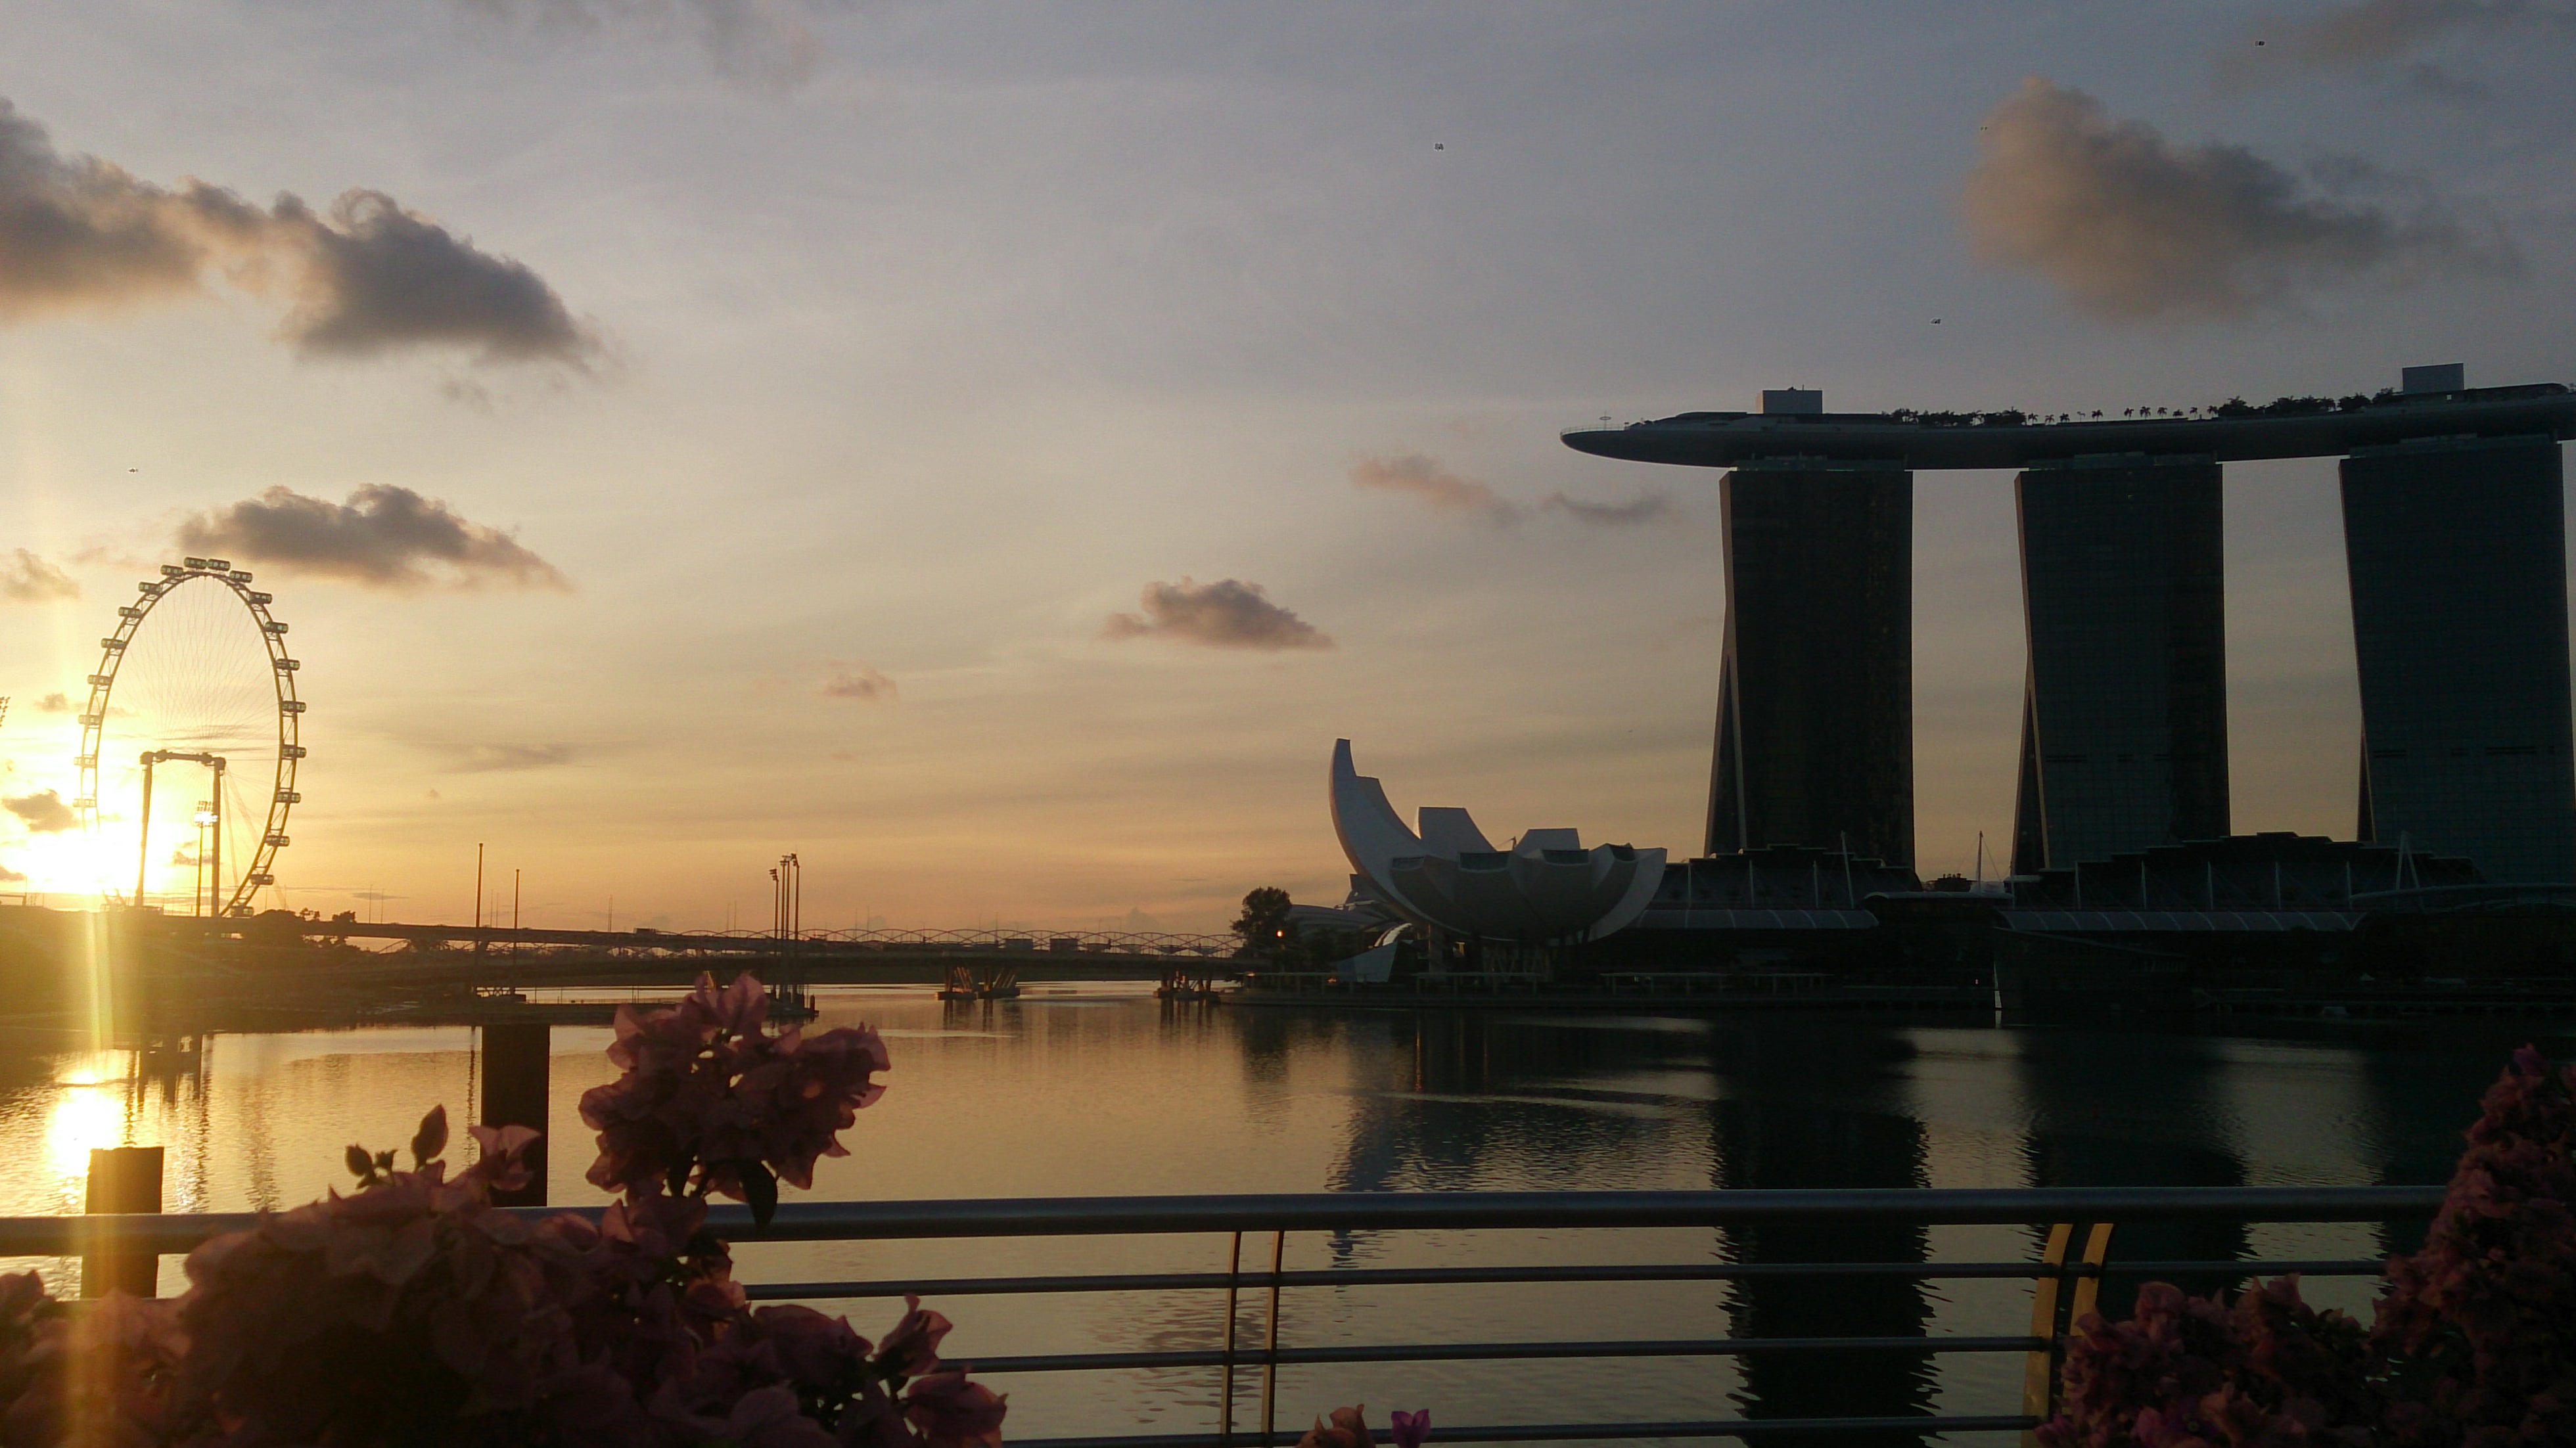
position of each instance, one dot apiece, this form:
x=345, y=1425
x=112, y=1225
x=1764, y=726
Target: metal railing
x=2065, y=1279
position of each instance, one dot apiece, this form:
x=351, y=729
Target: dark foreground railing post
x=1225, y=1399
x=124, y=1181
x=515, y=1069
x=1270, y=1345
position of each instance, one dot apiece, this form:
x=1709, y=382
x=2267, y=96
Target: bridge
x=179, y=976
x=526, y=956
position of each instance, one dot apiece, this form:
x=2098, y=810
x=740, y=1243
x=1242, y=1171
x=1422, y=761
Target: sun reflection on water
x=90, y=1109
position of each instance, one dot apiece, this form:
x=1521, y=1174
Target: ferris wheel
x=196, y=674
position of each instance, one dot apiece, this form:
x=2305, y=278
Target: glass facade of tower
x=2124, y=717
x=2458, y=560
x=1815, y=727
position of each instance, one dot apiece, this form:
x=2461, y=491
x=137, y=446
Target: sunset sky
x=995, y=450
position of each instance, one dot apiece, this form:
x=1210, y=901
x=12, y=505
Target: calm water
x=1097, y=1091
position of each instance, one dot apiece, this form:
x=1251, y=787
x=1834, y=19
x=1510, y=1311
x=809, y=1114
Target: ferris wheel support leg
x=217, y=901
x=143, y=832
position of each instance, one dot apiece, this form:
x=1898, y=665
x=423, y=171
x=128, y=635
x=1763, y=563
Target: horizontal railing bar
x=2328, y=1267
x=1476, y=1352
x=1586, y=1432
x=1362, y=1211
x=1392, y=1277
x=1392, y=1211
x=1475, y=1276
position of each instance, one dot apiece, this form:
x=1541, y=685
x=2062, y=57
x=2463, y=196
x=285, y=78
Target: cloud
x=1426, y=478
x=383, y=536
x=11, y=877
x=361, y=278
x=762, y=42
x=2130, y=225
x=499, y=758
x=2373, y=32
x=26, y=578
x=1644, y=508
x=1226, y=614
x=54, y=704
x=858, y=681
x=42, y=814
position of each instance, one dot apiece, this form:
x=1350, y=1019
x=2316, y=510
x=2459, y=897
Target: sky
x=994, y=450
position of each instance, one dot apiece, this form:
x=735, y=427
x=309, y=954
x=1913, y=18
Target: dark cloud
x=763, y=42
x=1226, y=614
x=363, y=278
x=84, y=233
x=384, y=536
x=499, y=758
x=858, y=681
x=26, y=578
x=42, y=814
x=1425, y=477
x=2130, y=225
x=1644, y=508
x=378, y=278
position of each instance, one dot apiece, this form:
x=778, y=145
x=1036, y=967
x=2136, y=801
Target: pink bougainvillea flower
x=951, y=1412
x=911, y=1350
x=1347, y=1430
x=1409, y=1430
x=98, y=1378
x=710, y=1101
x=502, y=1148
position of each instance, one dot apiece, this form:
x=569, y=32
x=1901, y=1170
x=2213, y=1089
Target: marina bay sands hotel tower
x=2452, y=504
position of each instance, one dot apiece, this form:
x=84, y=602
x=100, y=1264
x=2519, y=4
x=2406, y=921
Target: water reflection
x=2144, y=1111
x=1804, y=1109
x=1093, y=1092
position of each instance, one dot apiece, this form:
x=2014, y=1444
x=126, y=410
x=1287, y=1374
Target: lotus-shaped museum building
x=1544, y=890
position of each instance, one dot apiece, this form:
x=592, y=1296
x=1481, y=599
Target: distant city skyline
x=993, y=452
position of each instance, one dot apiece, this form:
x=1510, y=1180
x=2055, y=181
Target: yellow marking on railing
x=2039, y=1370
x=2088, y=1288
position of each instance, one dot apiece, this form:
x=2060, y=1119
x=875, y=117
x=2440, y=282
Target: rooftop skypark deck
x=2233, y=432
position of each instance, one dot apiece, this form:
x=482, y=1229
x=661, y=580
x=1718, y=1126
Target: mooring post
x=515, y=1061
x=124, y=1181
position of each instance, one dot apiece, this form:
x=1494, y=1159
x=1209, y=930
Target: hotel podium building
x=2452, y=512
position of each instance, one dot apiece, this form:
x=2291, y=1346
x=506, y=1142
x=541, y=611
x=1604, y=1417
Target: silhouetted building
x=2124, y=717
x=2188, y=887
x=1815, y=710
x=2458, y=560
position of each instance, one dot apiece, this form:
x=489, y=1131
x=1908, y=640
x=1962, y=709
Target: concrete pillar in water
x=123, y=1180
x=515, y=1062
